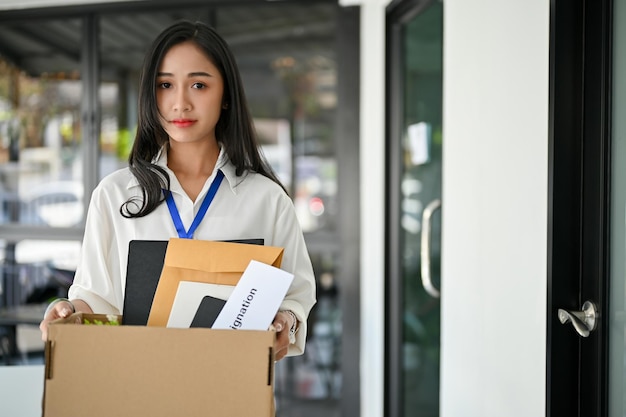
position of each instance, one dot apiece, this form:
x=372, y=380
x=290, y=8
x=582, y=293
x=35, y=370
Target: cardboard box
x=106, y=370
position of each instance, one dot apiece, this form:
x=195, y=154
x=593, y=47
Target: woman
x=194, y=128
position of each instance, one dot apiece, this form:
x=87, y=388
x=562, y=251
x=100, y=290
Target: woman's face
x=189, y=91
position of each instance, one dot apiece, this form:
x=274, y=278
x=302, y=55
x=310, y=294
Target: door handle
x=427, y=281
x=584, y=321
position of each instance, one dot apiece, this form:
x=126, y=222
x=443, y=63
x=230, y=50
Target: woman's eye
x=198, y=85
x=164, y=85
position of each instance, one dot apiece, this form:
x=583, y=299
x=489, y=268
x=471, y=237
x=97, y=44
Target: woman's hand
x=59, y=309
x=282, y=323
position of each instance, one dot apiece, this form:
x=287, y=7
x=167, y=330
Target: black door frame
x=578, y=210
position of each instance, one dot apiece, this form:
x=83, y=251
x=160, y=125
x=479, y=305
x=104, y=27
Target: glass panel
x=41, y=176
x=617, y=336
x=40, y=143
x=420, y=187
x=286, y=54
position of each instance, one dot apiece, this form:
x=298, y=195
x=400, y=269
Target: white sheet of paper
x=256, y=298
x=188, y=298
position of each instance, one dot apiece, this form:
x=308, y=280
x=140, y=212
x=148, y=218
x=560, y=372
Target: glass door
x=414, y=212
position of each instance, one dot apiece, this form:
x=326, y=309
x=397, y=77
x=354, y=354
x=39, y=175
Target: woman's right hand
x=56, y=310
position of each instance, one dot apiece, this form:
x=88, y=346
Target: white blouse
x=247, y=207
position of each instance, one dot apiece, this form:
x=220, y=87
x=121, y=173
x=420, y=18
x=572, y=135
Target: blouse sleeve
x=96, y=281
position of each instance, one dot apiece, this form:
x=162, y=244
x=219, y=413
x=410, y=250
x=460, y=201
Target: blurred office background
x=68, y=91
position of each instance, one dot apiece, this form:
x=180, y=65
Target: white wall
x=494, y=208
x=372, y=205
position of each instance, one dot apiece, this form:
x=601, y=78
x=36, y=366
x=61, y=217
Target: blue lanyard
x=180, y=228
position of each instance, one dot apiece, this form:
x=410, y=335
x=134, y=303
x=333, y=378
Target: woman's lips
x=183, y=122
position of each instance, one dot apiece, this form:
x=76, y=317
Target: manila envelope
x=204, y=261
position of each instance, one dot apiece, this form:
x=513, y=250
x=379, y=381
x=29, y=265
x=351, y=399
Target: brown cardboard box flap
x=104, y=371
x=204, y=261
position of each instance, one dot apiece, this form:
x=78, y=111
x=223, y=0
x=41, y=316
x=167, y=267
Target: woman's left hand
x=282, y=323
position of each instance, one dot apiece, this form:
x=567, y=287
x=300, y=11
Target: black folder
x=208, y=310
x=145, y=262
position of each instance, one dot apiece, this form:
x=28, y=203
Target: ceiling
x=258, y=32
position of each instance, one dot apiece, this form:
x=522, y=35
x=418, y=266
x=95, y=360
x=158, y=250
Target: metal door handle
x=583, y=321
x=427, y=281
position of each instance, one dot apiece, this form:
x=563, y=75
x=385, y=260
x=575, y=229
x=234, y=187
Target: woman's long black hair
x=234, y=129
